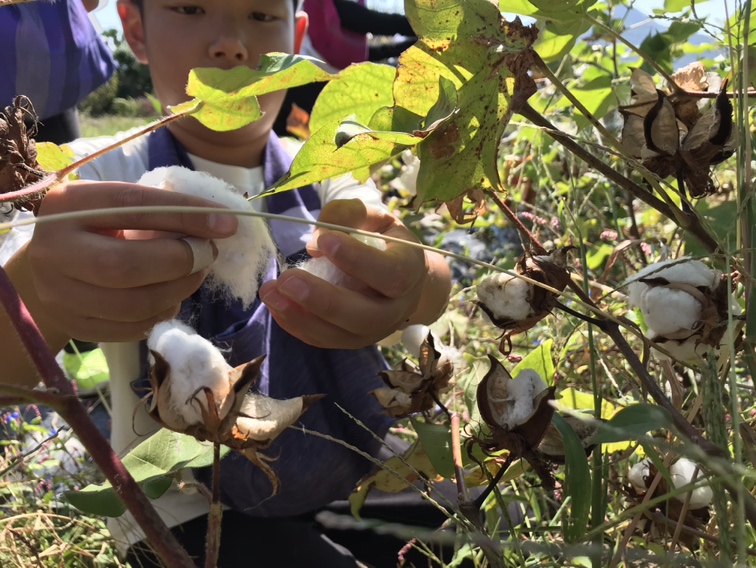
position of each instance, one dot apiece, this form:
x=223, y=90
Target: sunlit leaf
x=152, y=464
x=632, y=422
x=540, y=360
x=436, y=439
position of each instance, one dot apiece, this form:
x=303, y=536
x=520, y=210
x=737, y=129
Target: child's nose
x=229, y=45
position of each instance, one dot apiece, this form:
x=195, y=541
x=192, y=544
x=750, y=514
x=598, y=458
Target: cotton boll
x=683, y=472
x=522, y=391
x=506, y=296
x=687, y=350
x=638, y=474
x=668, y=311
x=242, y=257
x=683, y=271
x=413, y=337
x=195, y=363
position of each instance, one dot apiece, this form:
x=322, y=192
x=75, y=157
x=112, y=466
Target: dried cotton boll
x=506, y=296
x=242, y=258
x=195, y=364
x=324, y=269
x=684, y=472
x=523, y=390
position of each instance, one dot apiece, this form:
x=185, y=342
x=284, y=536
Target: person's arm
x=357, y=18
x=401, y=286
x=108, y=278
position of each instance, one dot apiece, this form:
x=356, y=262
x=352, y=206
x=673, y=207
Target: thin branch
x=212, y=548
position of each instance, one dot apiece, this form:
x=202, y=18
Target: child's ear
x=133, y=28
x=300, y=30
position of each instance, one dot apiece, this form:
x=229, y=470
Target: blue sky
x=107, y=18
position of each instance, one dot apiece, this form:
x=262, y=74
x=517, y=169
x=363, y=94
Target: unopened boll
x=326, y=270
x=506, y=297
x=195, y=364
x=242, y=257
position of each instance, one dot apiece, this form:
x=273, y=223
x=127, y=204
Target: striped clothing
x=50, y=52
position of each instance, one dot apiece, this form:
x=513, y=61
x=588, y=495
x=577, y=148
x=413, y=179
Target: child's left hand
x=403, y=284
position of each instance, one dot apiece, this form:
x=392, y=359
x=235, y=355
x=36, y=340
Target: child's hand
x=111, y=278
x=395, y=283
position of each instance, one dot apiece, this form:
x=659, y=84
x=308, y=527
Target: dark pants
x=59, y=129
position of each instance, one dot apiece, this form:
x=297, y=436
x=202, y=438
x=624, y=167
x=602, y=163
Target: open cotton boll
x=682, y=270
x=326, y=270
x=638, y=474
x=195, y=363
x=683, y=472
x=522, y=391
x=242, y=257
x=506, y=296
x=668, y=311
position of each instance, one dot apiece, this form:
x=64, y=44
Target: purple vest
x=50, y=52
x=313, y=472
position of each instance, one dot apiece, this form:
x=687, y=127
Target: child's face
x=175, y=36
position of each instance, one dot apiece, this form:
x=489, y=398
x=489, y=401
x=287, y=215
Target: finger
x=82, y=196
x=116, y=263
x=346, y=309
x=392, y=272
x=101, y=330
x=129, y=305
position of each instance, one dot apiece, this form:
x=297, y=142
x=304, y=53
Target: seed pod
x=18, y=152
x=195, y=392
x=515, y=305
x=414, y=388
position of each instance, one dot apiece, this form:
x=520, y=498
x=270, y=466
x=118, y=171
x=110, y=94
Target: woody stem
x=215, y=516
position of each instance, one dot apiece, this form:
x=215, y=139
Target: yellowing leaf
x=53, y=157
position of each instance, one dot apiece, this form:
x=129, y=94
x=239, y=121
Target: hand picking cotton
x=326, y=270
x=242, y=258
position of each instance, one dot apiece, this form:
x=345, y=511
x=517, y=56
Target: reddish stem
x=74, y=413
x=212, y=547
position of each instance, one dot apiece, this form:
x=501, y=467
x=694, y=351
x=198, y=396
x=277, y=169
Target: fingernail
x=275, y=301
x=295, y=288
x=222, y=224
x=328, y=243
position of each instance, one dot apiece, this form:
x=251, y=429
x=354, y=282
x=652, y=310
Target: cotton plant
x=196, y=392
x=243, y=257
x=685, y=305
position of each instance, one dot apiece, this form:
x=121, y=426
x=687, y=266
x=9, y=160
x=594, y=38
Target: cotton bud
x=416, y=388
x=323, y=268
x=196, y=392
x=242, y=257
x=685, y=305
x=515, y=305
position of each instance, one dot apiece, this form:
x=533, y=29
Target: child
x=110, y=279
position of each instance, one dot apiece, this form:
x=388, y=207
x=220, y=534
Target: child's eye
x=188, y=10
x=261, y=17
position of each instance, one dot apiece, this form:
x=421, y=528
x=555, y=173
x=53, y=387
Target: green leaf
x=631, y=423
x=152, y=464
x=359, y=90
x=673, y=6
x=540, y=360
x=320, y=158
x=53, y=157
x=436, y=440
x=577, y=475
x=228, y=97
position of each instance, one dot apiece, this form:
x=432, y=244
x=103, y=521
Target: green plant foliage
x=577, y=477
x=436, y=440
x=540, y=360
x=632, y=422
x=153, y=464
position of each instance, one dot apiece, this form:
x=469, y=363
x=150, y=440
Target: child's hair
x=297, y=4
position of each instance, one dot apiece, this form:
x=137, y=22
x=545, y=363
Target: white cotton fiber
x=682, y=473
x=522, y=391
x=506, y=296
x=326, y=270
x=669, y=311
x=242, y=258
x=638, y=474
x=194, y=363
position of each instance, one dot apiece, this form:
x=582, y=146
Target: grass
x=108, y=125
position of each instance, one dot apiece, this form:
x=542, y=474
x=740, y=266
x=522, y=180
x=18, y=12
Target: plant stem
x=691, y=223
x=215, y=516
x=73, y=412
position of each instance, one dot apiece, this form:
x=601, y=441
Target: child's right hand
x=111, y=278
